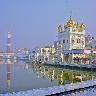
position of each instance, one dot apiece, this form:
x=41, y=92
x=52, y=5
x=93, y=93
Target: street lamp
x=91, y=55
x=91, y=60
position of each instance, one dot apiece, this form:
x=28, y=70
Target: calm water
x=27, y=77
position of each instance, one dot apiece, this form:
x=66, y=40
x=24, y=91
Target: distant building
x=90, y=43
x=93, y=43
x=35, y=54
x=88, y=39
x=56, y=45
x=47, y=53
x=44, y=54
x=23, y=51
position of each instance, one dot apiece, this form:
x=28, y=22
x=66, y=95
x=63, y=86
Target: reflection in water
x=8, y=74
x=64, y=76
x=31, y=76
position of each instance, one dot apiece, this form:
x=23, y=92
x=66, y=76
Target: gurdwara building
x=71, y=39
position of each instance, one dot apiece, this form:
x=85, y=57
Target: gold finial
x=70, y=13
x=70, y=18
x=59, y=28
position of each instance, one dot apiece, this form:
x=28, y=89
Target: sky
x=34, y=22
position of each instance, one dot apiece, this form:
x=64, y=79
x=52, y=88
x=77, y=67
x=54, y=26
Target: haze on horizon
x=34, y=22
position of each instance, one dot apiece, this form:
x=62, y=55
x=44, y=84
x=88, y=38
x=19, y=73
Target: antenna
x=70, y=14
x=82, y=19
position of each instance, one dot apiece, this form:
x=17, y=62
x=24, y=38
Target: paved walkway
x=54, y=90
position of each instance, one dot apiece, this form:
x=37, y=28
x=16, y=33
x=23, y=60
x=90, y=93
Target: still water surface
x=28, y=76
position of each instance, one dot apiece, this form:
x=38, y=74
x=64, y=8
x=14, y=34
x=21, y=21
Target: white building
x=93, y=43
x=44, y=54
x=71, y=36
x=47, y=53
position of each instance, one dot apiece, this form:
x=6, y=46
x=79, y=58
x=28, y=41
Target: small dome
x=82, y=27
x=59, y=28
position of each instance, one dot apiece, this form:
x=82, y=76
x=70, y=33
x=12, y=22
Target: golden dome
x=71, y=23
x=82, y=27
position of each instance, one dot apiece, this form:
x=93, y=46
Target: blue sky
x=34, y=22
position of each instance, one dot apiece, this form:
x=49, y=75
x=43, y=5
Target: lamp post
x=91, y=61
x=91, y=57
